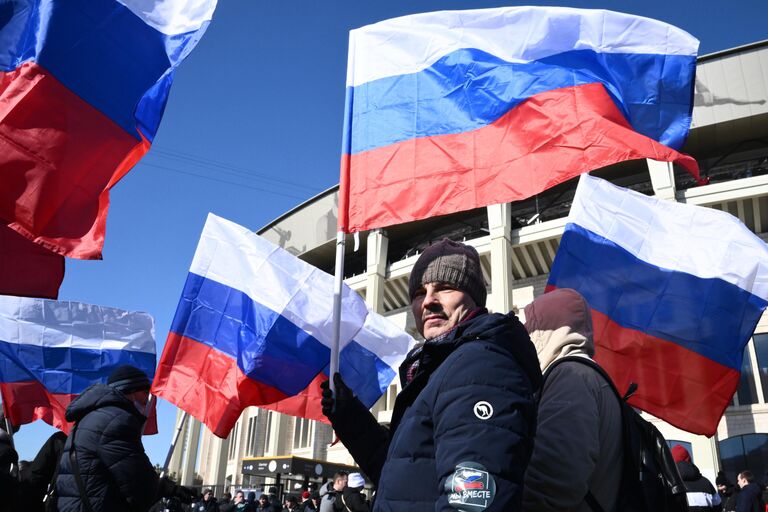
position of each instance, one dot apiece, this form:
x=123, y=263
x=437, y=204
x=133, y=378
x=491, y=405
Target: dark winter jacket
x=9, y=483
x=43, y=471
x=461, y=427
x=211, y=505
x=701, y=494
x=579, y=435
x=749, y=499
x=351, y=501
x=116, y=473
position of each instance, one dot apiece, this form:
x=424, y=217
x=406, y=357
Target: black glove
x=340, y=404
x=184, y=494
x=167, y=488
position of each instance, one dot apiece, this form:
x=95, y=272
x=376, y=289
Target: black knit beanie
x=452, y=263
x=129, y=379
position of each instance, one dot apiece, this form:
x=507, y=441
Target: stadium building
x=517, y=243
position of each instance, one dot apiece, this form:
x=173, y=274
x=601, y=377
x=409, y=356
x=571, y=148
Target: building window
x=684, y=444
x=747, y=391
x=302, y=433
x=268, y=435
x=749, y=451
x=761, y=351
x=233, y=441
x=250, y=445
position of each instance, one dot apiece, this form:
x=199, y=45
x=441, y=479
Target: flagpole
x=337, y=289
x=176, y=435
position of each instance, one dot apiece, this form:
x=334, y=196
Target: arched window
x=749, y=451
x=684, y=444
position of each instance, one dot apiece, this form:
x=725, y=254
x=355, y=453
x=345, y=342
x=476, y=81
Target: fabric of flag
x=454, y=110
x=83, y=85
x=51, y=351
x=676, y=292
x=254, y=328
x=27, y=269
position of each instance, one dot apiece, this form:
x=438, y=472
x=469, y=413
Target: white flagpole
x=338, y=286
x=176, y=435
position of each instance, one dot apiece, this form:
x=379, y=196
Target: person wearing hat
x=351, y=498
x=701, y=495
x=577, y=459
x=462, y=428
x=104, y=467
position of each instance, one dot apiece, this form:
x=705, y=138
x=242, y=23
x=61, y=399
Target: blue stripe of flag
x=468, y=89
x=66, y=370
x=103, y=53
x=711, y=317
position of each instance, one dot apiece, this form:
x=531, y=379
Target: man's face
x=741, y=481
x=439, y=307
x=207, y=496
x=263, y=500
x=239, y=497
x=340, y=483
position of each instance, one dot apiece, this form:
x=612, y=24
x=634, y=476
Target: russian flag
x=51, y=351
x=83, y=85
x=454, y=110
x=676, y=292
x=254, y=328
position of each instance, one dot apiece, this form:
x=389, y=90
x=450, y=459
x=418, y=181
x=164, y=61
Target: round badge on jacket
x=470, y=487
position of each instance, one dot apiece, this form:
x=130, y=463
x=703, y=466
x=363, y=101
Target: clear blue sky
x=253, y=128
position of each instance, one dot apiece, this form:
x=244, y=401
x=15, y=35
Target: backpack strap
x=76, y=472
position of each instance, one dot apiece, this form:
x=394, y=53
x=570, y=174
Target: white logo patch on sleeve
x=483, y=410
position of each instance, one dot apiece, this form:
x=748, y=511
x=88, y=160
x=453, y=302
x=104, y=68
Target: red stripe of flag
x=544, y=141
x=60, y=156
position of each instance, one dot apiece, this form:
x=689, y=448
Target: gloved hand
x=342, y=403
x=169, y=489
x=184, y=494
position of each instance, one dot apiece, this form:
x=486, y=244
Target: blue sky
x=253, y=128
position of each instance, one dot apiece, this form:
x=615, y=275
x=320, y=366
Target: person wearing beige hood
x=577, y=455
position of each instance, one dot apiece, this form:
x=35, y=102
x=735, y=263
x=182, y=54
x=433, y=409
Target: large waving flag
x=676, y=292
x=454, y=110
x=51, y=351
x=83, y=85
x=253, y=328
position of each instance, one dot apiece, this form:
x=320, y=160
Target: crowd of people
x=493, y=415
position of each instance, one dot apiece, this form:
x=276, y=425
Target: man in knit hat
x=104, y=467
x=462, y=428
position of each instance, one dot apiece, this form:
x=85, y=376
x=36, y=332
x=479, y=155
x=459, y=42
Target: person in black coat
x=9, y=468
x=105, y=449
x=701, y=495
x=43, y=473
x=750, y=498
x=462, y=428
x=351, y=499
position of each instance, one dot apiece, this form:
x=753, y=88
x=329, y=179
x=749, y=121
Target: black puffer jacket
x=116, y=472
x=701, y=494
x=463, y=425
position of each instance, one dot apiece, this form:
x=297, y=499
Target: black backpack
x=650, y=481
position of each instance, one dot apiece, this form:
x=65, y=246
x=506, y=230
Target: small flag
x=83, y=86
x=453, y=110
x=676, y=292
x=254, y=327
x=51, y=351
